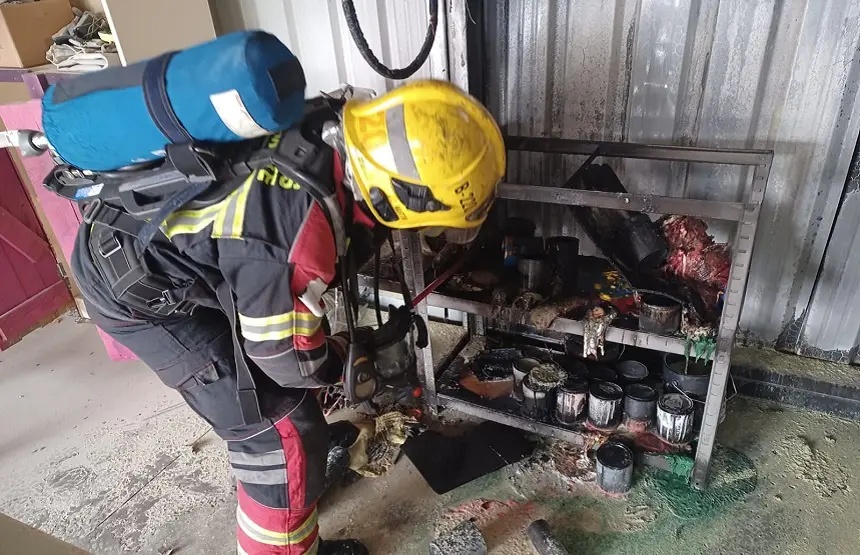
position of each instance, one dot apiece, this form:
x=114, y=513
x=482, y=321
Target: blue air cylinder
x=238, y=86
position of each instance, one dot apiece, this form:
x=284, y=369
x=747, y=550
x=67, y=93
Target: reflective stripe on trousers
x=264, y=530
x=280, y=473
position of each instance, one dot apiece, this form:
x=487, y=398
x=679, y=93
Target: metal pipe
x=542, y=539
x=29, y=142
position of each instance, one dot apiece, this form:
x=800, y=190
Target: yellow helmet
x=424, y=155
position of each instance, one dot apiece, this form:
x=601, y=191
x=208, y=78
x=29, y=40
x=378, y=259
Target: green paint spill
x=733, y=476
x=588, y=525
x=681, y=465
x=661, y=506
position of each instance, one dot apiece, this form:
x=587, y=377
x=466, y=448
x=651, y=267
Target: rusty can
x=659, y=314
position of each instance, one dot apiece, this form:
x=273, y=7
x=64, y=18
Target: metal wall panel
x=777, y=74
x=315, y=30
x=830, y=328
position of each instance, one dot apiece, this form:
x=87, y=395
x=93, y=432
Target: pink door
x=62, y=214
x=32, y=291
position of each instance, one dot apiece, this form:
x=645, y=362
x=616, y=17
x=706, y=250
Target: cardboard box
x=26, y=30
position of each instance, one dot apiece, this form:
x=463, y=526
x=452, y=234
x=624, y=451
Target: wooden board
x=16, y=538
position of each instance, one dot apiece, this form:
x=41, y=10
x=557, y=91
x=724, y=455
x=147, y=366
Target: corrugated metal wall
x=316, y=32
x=780, y=74
x=776, y=74
x=830, y=327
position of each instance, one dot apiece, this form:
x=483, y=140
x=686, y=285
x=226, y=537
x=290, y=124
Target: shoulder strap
x=249, y=403
x=97, y=212
x=298, y=158
x=174, y=203
x=157, y=101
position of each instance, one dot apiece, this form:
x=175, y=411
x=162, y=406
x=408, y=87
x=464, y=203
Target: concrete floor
x=102, y=455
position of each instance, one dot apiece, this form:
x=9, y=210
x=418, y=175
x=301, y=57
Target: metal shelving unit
x=744, y=214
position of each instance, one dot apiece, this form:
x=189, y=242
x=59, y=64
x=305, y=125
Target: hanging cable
x=364, y=49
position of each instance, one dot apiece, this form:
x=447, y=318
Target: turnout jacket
x=271, y=242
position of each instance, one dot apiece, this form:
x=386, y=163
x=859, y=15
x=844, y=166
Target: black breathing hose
x=368, y=55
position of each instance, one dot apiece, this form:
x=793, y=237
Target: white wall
x=315, y=30
x=144, y=29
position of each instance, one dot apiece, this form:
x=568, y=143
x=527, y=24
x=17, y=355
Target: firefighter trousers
x=279, y=464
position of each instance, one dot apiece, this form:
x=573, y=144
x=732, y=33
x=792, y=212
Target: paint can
x=604, y=404
x=518, y=239
x=601, y=373
x=614, y=467
x=522, y=367
x=536, y=400
x=659, y=314
x=547, y=375
x=631, y=371
x=640, y=402
x=645, y=246
x=692, y=378
x=687, y=375
x=535, y=273
x=675, y=418
x=570, y=400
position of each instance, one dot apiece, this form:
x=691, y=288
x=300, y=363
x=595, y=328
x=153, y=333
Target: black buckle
x=166, y=299
x=157, y=303
x=186, y=308
x=91, y=210
x=113, y=248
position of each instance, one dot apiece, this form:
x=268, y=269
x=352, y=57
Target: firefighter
x=425, y=156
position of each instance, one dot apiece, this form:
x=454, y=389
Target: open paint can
x=675, y=418
x=640, y=402
x=614, y=467
x=687, y=375
x=522, y=367
x=604, y=404
x=659, y=314
x=570, y=400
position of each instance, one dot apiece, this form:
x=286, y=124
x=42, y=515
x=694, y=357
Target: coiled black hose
x=368, y=55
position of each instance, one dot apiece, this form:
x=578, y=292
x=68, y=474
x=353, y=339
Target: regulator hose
x=368, y=55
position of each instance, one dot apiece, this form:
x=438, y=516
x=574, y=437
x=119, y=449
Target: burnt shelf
x=504, y=411
x=633, y=338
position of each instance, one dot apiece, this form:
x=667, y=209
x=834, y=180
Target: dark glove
x=398, y=326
